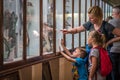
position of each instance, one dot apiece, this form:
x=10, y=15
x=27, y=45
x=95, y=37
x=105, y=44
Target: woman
x=96, y=22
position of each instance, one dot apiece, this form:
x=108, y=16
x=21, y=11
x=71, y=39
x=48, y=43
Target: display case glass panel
x=59, y=24
x=88, y=6
x=33, y=28
x=101, y=4
x=93, y=3
x=110, y=10
x=82, y=21
x=47, y=27
x=12, y=30
x=106, y=11
x=76, y=22
x=68, y=22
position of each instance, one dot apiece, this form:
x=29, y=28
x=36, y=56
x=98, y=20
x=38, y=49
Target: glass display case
x=13, y=35
x=33, y=28
x=47, y=27
x=28, y=22
x=59, y=24
x=82, y=22
x=30, y=30
x=13, y=30
x=68, y=22
x=76, y=22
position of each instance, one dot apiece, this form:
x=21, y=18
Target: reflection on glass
x=68, y=23
x=97, y=2
x=110, y=10
x=82, y=22
x=93, y=2
x=88, y=6
x=76, y=22
x=100, y=3
x=59, y=23
x=103, y=8
x=47, y=27
x=106, y=11
x=47, y=38
x=13, y=30
x=33, y=33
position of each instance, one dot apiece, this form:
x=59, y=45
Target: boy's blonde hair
x=83, y=52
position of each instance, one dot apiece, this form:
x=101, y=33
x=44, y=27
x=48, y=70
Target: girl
x=95, y=39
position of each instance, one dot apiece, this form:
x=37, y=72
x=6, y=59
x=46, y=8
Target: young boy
x=77, y=57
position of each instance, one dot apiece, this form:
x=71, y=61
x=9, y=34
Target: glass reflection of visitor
x=6, y=21
x=12, y=26
x=10, y=20
x=12, y=34
x=68, y=23
x=32, y=31
x=47, y=27
x=47, y=38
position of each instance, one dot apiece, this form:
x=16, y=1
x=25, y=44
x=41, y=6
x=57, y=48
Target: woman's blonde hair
x=97, y=12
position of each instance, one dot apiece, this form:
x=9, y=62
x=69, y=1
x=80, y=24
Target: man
x=115, y=50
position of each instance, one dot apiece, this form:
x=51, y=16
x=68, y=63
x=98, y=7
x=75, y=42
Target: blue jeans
x=110, y=76
x=115, y=57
